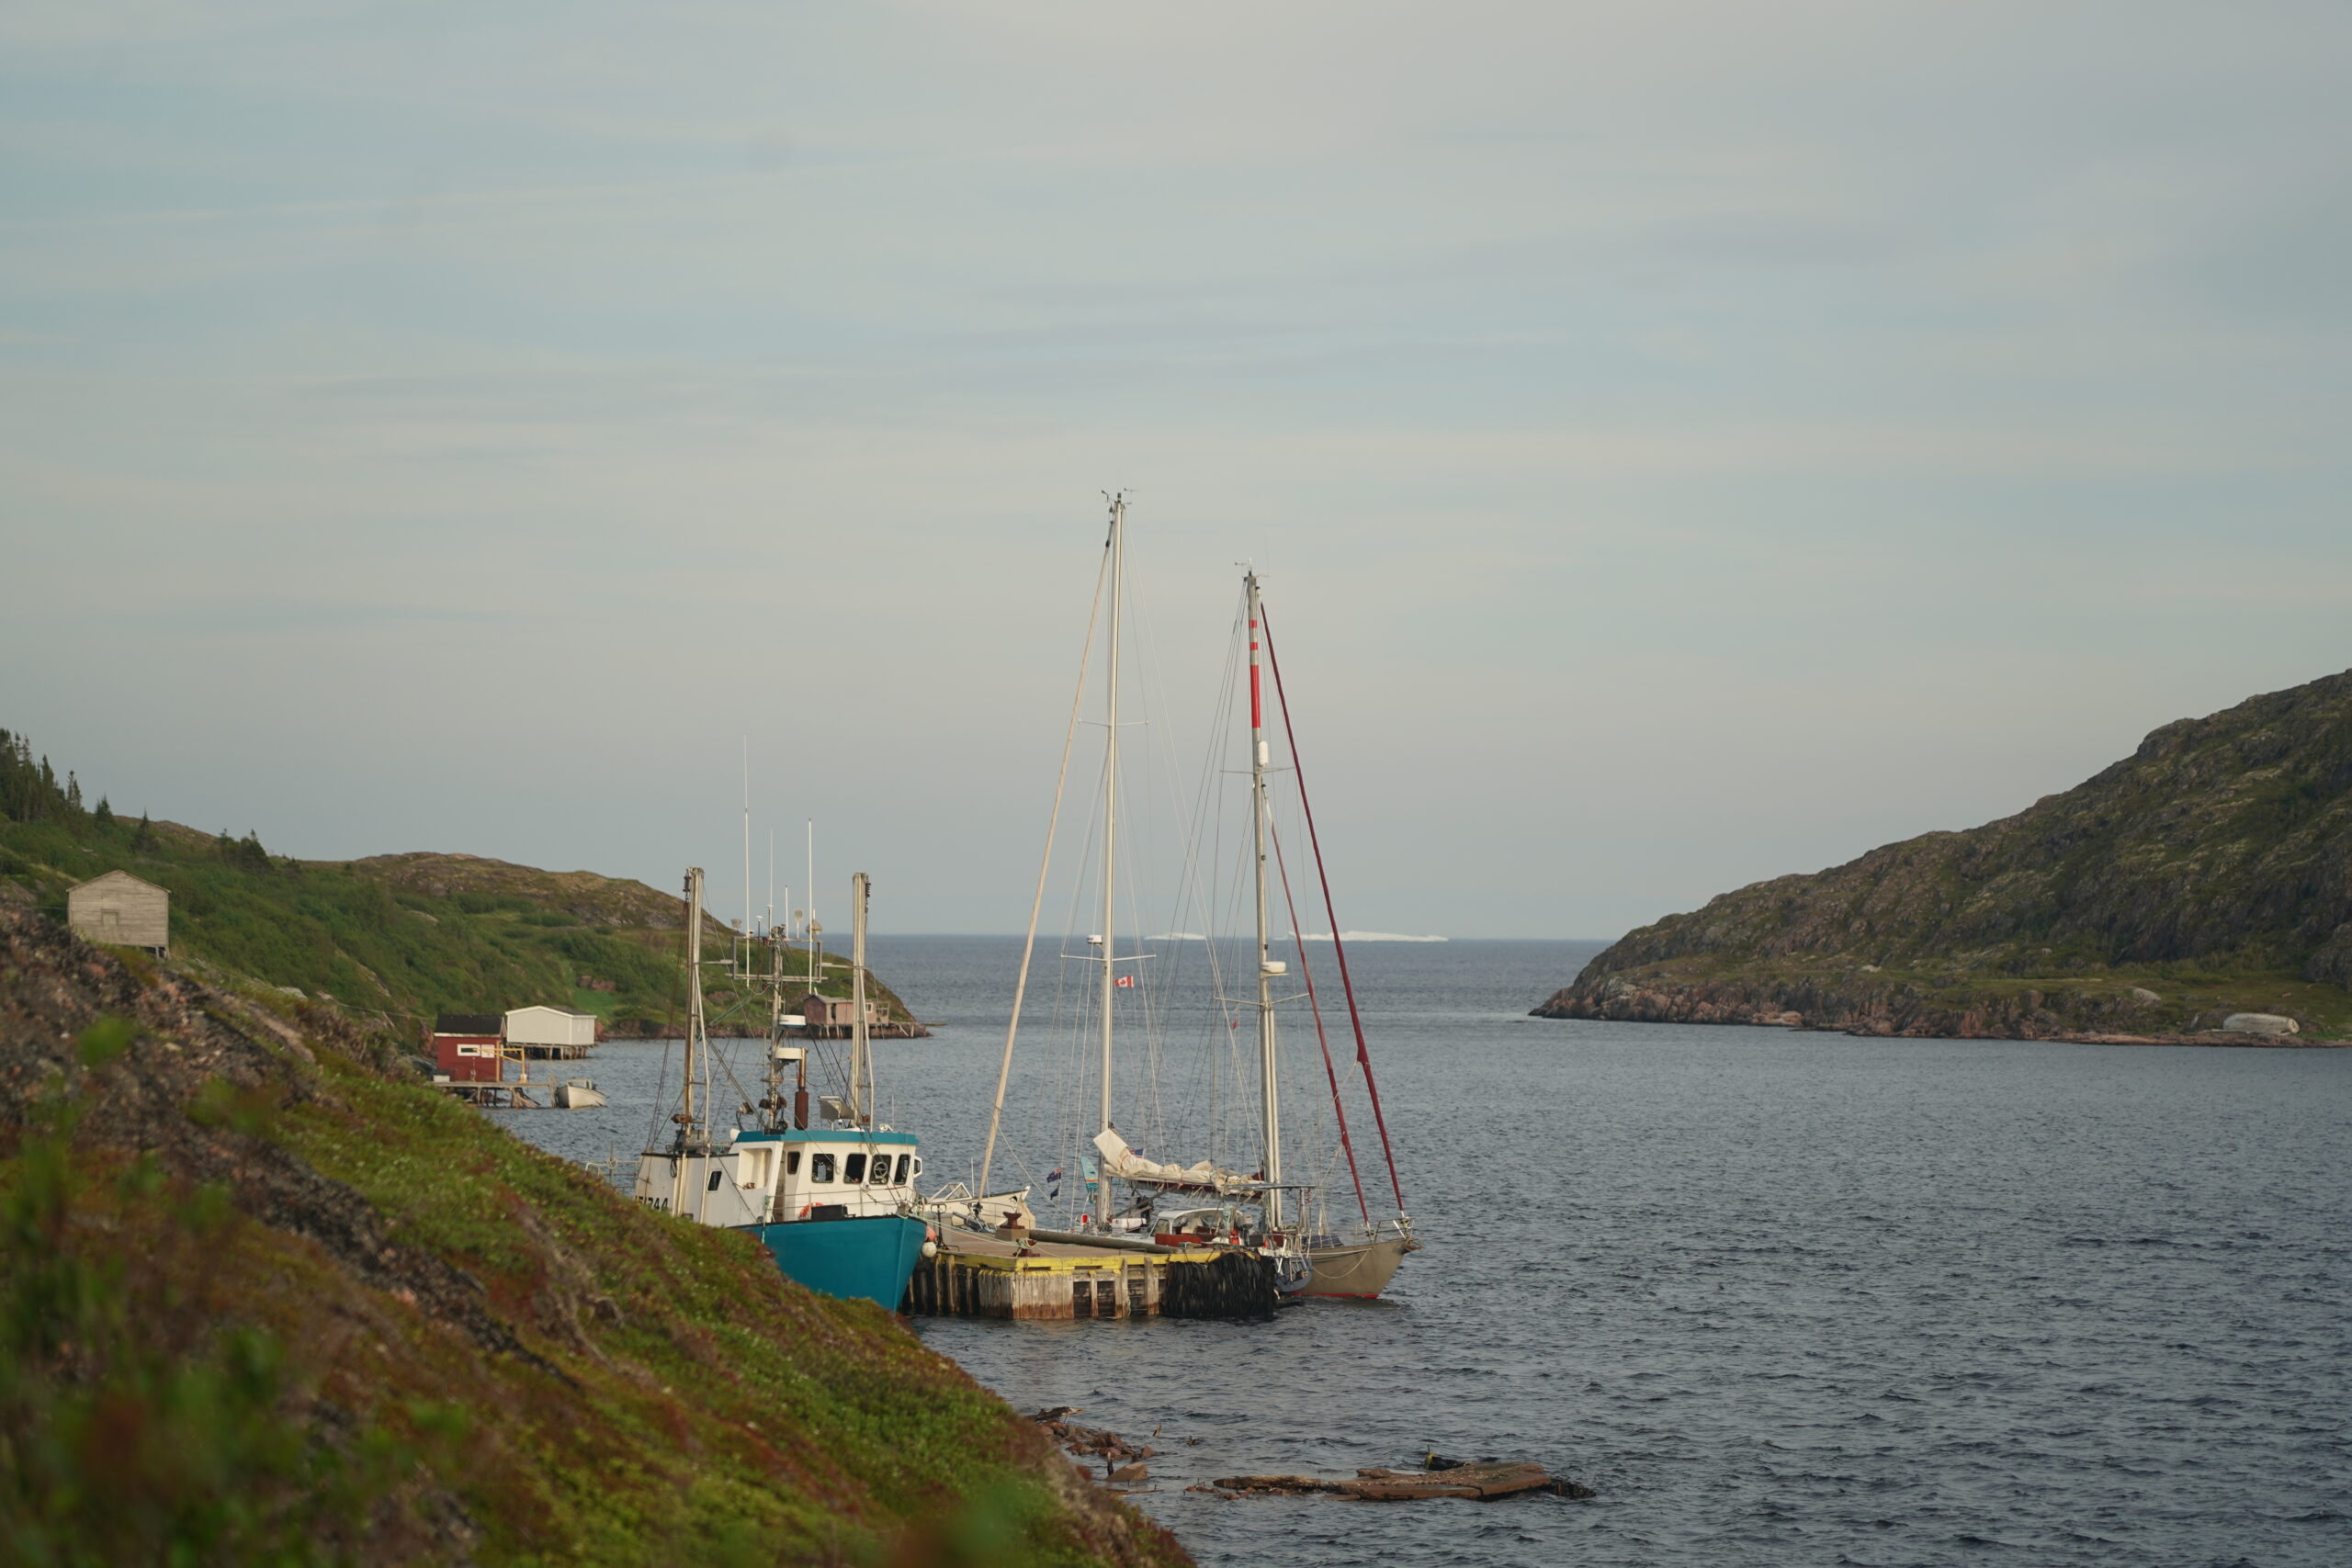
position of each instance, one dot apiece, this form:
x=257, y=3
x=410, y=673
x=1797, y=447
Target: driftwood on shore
x=1121, y=1460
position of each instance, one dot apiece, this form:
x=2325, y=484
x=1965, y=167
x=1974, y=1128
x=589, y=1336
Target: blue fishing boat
x=833, y=1203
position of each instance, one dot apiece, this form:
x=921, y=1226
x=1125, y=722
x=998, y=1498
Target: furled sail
x=1201, y=1177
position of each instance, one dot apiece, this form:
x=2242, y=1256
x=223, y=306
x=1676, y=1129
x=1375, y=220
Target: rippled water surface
x=1782, y=1298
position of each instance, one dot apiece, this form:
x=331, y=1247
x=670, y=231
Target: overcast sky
x=1685, y=443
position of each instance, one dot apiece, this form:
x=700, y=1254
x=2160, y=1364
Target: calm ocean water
x=1782, y=1298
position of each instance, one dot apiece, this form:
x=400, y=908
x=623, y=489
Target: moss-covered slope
x=265, y=1297
x=2211, y=872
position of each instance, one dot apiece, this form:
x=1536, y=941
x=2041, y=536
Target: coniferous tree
x=104, y=813
x=145, y=839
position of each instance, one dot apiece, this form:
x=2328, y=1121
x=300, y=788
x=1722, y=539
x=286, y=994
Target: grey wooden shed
x=122, y=909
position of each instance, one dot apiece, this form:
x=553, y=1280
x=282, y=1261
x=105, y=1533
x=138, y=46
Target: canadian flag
x=1125, y=982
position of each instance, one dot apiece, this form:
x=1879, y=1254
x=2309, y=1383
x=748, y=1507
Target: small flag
x=1057, y=1174
x=1125, y=982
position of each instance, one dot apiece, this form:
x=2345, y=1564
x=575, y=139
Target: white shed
x=567, y=1028
x=122, y=909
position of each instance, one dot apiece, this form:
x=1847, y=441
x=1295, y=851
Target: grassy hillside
x=2209, y=873
x=401, y=936
x=266, y=1298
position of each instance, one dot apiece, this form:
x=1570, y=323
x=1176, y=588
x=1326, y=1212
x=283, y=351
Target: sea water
x=1779, y=1297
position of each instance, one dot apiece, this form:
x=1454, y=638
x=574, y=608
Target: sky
x=1683, y=443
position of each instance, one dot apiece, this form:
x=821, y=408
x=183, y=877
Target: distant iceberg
x=1311, y=936
x=1369, y=936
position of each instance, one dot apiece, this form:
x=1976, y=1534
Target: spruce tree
x=104, y=813
x=145, y=839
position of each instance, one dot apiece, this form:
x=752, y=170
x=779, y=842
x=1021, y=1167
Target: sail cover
x=1128, y=1166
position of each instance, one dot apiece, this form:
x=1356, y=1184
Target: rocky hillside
x=265, y=1297
x=394, y=938
x=2209, y=873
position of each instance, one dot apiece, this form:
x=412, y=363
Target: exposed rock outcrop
x=2207, y=874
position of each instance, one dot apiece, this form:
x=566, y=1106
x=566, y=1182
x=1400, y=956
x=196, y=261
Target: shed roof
x=117, y=876
x=469, y=1024
x=551, y=1007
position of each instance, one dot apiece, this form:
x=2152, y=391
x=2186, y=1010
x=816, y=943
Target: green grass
x=673, y=1397
x=355, y=934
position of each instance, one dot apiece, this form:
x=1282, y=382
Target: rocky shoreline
x=1893, y=1011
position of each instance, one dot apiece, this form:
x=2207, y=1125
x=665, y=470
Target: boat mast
x=744, y=937
x=861, y=1055
x=688, y=1122
x=1111, y=802
x=813, y=928
x=1269, y=1083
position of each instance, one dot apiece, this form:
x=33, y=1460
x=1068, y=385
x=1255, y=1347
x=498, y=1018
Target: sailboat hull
x=870, y=1257
x=1360, y=1270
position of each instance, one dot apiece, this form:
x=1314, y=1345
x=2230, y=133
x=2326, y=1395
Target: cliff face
x=265, y=1297
x=2209, y=871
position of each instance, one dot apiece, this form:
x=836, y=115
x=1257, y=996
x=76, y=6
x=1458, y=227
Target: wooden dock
x=976, y=1275
x=492, y=1094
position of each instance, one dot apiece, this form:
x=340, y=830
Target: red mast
x=1355, y=1017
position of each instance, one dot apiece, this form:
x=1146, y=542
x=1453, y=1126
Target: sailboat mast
x=861, y=1056
x=1110, y=797
x=1269, y=1083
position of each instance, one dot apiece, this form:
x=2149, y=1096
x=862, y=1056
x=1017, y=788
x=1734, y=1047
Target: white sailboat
x=1172, y=1205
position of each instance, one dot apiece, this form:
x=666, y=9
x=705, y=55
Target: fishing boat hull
x=869, y=1258
x=578, y=1094
x=1359, y=1270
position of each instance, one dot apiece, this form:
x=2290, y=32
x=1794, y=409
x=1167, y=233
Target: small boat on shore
x=578, y=1094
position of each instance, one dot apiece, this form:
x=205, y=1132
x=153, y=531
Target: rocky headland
x=2205, y=877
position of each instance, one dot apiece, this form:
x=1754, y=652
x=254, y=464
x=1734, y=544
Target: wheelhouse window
x=854, y=1168
x=792, y=1162
x=821, y=1167
x=904, y=1161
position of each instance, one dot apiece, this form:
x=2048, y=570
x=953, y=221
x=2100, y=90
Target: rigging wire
x=1339, y=948
x=1314, y=1007
x=1053, y=820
